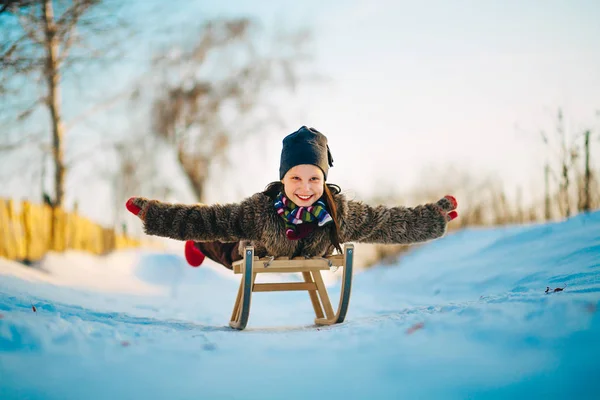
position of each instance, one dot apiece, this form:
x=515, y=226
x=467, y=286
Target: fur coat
x=254, y=221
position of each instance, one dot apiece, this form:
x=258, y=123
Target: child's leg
x=223, y=253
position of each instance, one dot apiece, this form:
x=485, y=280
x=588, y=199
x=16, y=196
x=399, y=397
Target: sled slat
x=278, y=287
x=283, y=265
x=281, y=270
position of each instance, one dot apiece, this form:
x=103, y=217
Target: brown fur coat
x=254, y=221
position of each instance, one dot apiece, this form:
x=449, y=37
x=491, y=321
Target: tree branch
x=28, y=22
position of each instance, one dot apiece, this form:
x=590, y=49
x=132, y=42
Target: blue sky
x=417, y=85
x=428, y=84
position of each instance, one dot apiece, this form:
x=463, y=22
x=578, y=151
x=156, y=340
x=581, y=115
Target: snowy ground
x=142, y=325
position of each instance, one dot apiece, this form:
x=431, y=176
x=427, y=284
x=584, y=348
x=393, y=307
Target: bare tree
x=565, y=150
x=43, y=40
x=219, y=94
x=547, y=200
x=586, y=204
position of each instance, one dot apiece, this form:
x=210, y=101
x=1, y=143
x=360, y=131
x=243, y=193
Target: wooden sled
x=310, y=268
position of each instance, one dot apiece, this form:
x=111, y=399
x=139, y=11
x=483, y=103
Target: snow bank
x=466, y=316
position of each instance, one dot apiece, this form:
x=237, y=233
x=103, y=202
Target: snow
x=465, y=316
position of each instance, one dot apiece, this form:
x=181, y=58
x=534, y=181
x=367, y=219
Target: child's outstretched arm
x=199, y=222
x=397, y=225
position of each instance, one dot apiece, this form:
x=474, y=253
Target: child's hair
x=329, y=190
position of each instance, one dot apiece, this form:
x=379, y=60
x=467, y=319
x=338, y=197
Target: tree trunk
x=565, y=205
x=53, y=102
x=587, y=177
x=565, y=190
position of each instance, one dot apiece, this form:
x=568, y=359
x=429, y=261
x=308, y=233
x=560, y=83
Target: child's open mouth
x=304, y=198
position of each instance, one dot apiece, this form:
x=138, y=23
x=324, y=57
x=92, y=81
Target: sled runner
x=310, y=268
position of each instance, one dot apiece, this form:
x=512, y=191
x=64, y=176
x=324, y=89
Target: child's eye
x=316, y=179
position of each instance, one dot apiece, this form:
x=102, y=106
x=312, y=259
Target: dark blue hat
x=305, y=146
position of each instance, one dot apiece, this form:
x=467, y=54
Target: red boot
x=193, y=255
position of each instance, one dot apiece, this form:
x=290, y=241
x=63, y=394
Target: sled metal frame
x=311, y=268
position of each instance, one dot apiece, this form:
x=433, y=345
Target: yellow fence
x=25, y=232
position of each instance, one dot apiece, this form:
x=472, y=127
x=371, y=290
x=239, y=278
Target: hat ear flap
x=329, y=156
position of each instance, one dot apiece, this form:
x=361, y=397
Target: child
x=300, y=215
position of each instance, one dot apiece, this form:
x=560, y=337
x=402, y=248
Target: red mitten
x=138, y=206
x=447, y=206
x=452, y=215
x=193, y=255
x=452, y=200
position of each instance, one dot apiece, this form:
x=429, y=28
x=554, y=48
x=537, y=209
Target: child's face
x=303, y=184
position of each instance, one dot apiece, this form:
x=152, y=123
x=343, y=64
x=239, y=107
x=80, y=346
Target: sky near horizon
x=425, y=85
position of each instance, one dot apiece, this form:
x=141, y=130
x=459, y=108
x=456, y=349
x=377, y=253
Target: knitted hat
x=305, y=146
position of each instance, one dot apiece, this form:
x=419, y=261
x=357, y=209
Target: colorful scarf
x=295, y=215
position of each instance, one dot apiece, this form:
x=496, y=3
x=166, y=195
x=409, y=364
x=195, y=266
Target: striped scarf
x=294, y=215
